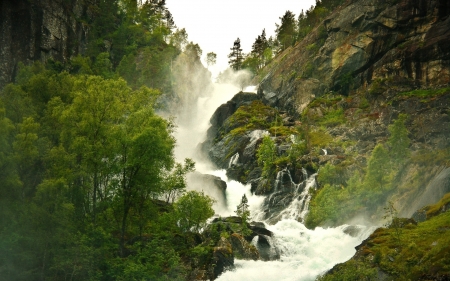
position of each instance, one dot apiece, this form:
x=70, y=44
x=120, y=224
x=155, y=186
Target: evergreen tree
x=286, y=31
x=236, y=56
x=243, y=212
x=211, y=58
x=377, y=169
x=399, y=141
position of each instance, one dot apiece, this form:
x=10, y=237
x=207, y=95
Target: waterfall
x=234, y=160
x=303, y=253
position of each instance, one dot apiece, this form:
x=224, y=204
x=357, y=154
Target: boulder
x=242, y=249
x=223, y=258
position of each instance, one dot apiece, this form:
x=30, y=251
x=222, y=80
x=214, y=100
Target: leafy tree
x=211, y=58
x=266, y=155
x=179, y=39
x=236, y=56
x=399, y=141
x=174, y=182
x=377, y=169
x=193, y=209
x=286, y=31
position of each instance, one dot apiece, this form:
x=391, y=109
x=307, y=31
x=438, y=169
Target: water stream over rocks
x=300, y=253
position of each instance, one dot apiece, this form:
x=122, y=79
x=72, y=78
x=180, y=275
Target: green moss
x=438, y=207
x=252, y=117
x=426, y=93
x=423, y=252
x=332, y=118
x=319, y=138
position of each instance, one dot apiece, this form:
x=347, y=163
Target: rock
x=266, y=250
x=223, y=257
x=242, y=249
x=39, y=31
x=211, y=185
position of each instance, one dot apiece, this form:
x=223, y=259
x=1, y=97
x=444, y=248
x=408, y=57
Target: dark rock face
x=211, y=185
x=223, y=257
x=366, y=40
x=242, y=249
x=39, y=30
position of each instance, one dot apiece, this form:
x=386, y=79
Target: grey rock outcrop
x=40, y=30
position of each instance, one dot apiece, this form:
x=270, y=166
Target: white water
x=304, y=253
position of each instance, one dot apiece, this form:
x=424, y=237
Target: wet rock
x=223, y=257
x=266, y=250
x=211, y=185
x=242, y=249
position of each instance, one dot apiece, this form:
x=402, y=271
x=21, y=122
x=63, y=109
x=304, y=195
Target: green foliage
x=399, y=141
x=192, y=210
x=252, y=117
x=416, y=251
x=82, y=160
x=266, y=155
x=352, y=271
x=333, y=118
x=426, y=93
x=377, y=169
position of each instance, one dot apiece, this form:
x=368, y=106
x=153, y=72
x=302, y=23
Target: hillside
x=363, y=100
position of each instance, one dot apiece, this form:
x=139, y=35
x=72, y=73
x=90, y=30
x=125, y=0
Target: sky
x=216, y=24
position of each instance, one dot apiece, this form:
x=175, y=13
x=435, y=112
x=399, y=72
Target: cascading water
x=302, y=253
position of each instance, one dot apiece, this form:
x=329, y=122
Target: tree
x=377, y=169
x=179, y=39
x=236, y=56
x=192, y=210
x=242, y=209
x=174, y=182
x=211, y=59
x=286, y=31
x=399, y=141
x=258, y=48
x=266, y=155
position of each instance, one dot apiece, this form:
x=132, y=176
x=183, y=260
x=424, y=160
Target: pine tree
x=377, y=168
x=399, y=141
x=286, y=32
x=236, y=56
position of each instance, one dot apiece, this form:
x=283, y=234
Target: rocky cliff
x=362, y=42
x=40, y=30
x=328, y=101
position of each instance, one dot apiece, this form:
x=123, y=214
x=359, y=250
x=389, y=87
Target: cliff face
x=39, y=30
x=364, y=41
x=338, y=91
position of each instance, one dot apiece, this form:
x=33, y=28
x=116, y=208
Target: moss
x=422, y=254
x=421, y=93
x=319, y=138
x=435, y=209
x=332, y=118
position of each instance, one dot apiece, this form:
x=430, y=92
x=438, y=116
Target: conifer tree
x=236, y=56
x=286, y=31
x=398, y=141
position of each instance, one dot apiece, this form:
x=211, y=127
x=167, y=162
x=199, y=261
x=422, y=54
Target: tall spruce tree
x=286, y=31
x=236, y=56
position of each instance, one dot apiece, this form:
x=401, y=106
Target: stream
x=304, y=253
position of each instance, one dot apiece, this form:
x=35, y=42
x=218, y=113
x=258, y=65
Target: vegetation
x=85, y=161
x=416, y=252
x=236, y=56
x=266, y=155
x=341, y=197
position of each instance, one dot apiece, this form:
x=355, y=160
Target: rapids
x=304, y=253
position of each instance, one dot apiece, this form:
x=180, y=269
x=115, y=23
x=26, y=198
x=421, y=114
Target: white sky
x=216, y=24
